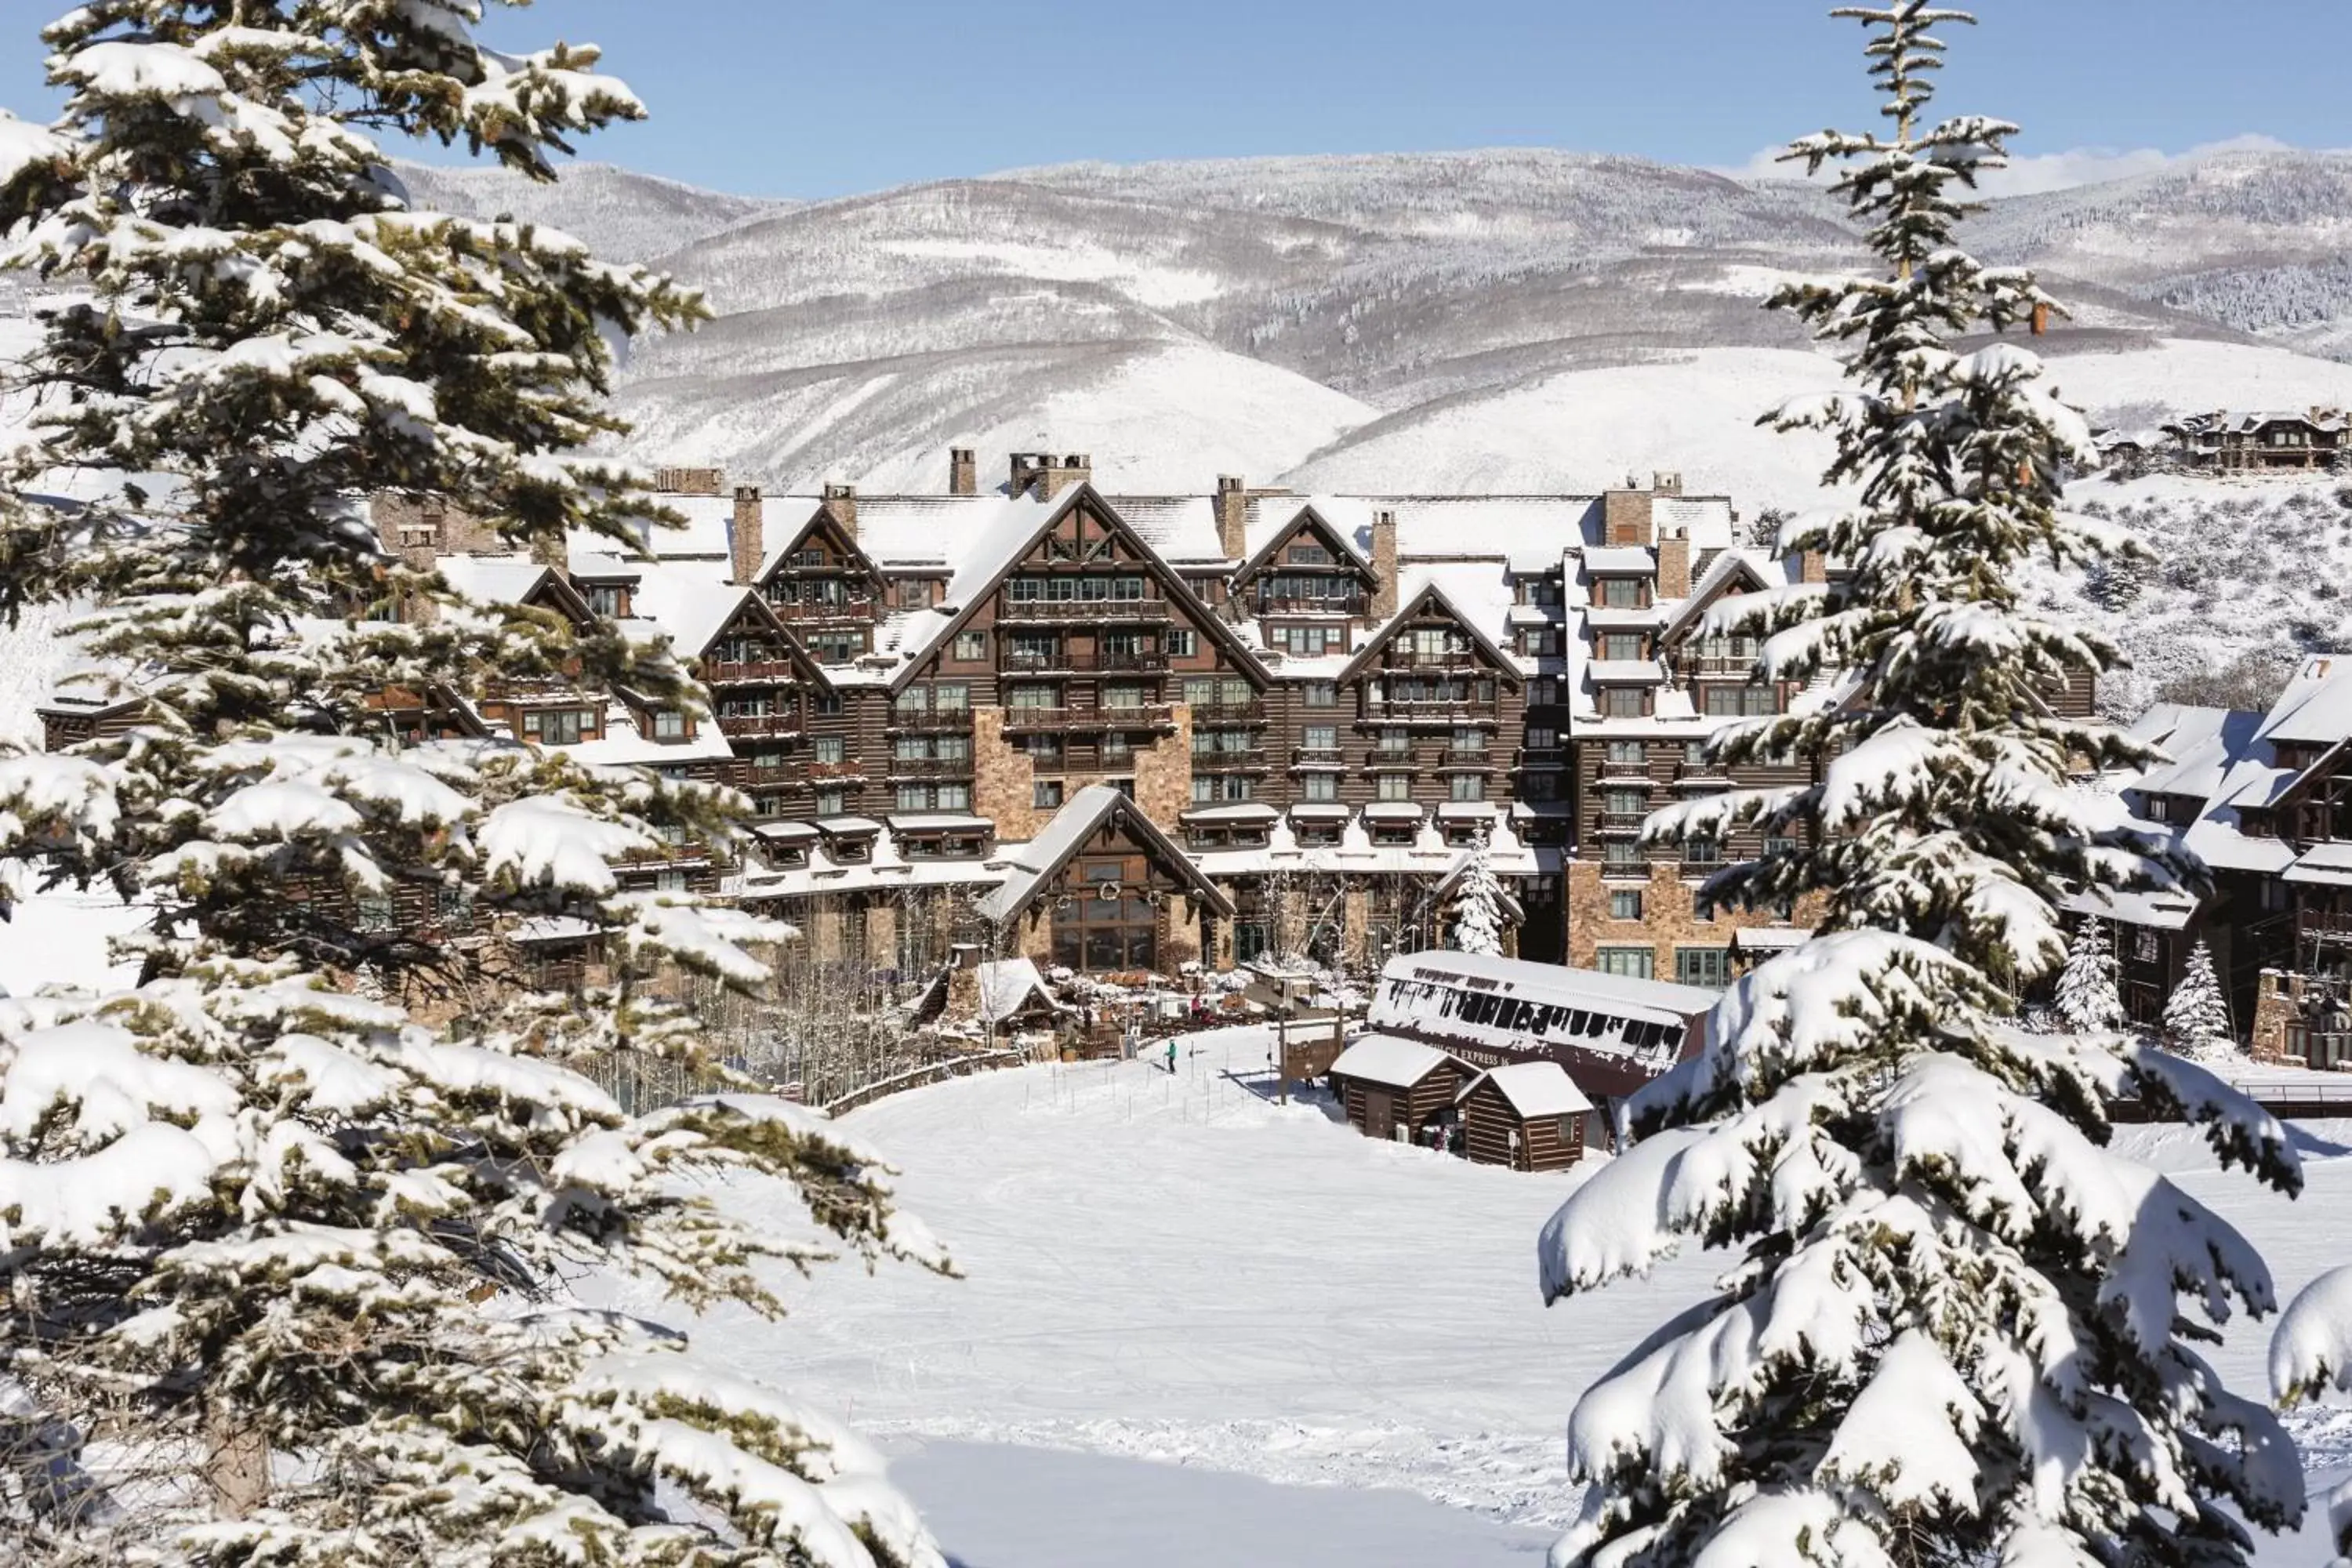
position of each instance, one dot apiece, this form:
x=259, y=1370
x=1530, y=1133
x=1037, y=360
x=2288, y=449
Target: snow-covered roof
x=2315, y=708
x=691, y=600
x=1619, y=560
x=1532, y=1088
x=1516, y=1005
x=2163, y=911
x=1394, y=1063
x=1030, y=866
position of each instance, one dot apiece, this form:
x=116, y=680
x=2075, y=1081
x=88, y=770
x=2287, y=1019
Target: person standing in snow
x=1172, y=1055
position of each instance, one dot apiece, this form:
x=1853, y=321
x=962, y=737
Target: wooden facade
x=1498, y=1129
x=1396, y=1090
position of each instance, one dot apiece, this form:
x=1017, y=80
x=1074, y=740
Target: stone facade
x=1669, y=919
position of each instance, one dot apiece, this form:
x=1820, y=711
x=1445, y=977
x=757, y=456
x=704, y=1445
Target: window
x=1320, y=694
x=1537, y=788
x=1469, y=786
x=828, y=750
x=1469, y=742
x=1623, y=701
x=1392, y=786
x=835, y=647
x=669, y=881
x=1319, y=786
x=1309, y=555
x=605, y=599
x=832, y=802
x=1394, y=741
x=1625, y=754
x=1034, y=697
x=1621, y=856
x=1117, y=748
x=811, y=556
x=1777, y=845
x=1702, y=852
x=1539, y=640
x=1184, y=643
x=1631, y=962
x=1623, y=647
x=1624, y=802
x=970, y=646
x=1309, y=642
x=1741, y=701
x=1544, y=737
x=555, y=726
x=1621, y=592
x=914, y=798
x=1046, y=794
x=1321, y=739
x=1624, y=904
x=825, y=704
x=1124, y=699
x=375, y=911
x=1707, y=967
x=669, y=724
x=1043, y=751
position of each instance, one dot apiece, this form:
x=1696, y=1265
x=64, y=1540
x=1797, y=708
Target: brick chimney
x=1384, y=565
x=841, y=501
x=747, y=538
x=1812, y=566
x=1233, y=517
x=1665, y=482
x=964, y=471
x=1626, y=518
x=1674, y=563
x=1047, y=476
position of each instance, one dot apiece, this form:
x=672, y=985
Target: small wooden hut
x=1393, y=1089
x=1530, y=1116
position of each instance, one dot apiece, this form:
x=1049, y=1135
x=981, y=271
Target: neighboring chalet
x=1530, y=1116
x=2275, y=438
x=1613, y=1034
x=2265, y=800
x=1398, y=1089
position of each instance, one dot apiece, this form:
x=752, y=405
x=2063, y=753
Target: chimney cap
x=962, y=454
x=747, y=492
x=834, y=489
x=1227, y=483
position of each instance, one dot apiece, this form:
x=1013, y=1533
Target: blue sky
x=815, y=98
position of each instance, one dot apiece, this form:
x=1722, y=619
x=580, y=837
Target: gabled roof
x=695, y=607
x=1391, y=1062
x=1431, y=594
x=1349, y=551
x=1010, y=536
x=1532, y=1088
x=515, y=580
x=1036, y=864
x=821, y=520
x=1717, y=581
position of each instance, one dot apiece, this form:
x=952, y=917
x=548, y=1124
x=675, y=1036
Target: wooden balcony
x=1318, y=756
x=751, y=672
x=1623, y=821
x=848, y=612
x=931, y=721
x=758, y=725
x=1252, y=761
x=1352, y=605
x=2323, y=925
x=1082, y=612
x=1395, y=658
x=828, y=773
x=1016, y=661
x=1149, y=716
x=1250, y=713
x=930, y=767
x=1432, y=710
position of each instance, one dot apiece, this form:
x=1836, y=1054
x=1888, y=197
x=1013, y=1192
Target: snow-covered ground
x=1175, y=1269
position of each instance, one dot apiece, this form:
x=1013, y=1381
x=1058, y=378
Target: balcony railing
x=1623, y=821
x=1250, y=713
x=1084, y=610
x=829, y=772
x=1311, y=604
x=1311, y=756
x=1395, y=658
x=1432, y=710
x=930, y=767
x=1250, y=761
x=932, y=720
x=1085, y=663
x=743, y=672
x=860, y=610
x=1148, y=716
x=761, y=724
x=2334, y=925
x=1720, y=663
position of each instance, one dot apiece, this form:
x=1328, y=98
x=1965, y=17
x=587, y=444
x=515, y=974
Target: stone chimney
x=841, y=501
x=1665, y=482
x=1674, y=563
x=690, y=481
x=1626, y=518
x=747, y=538
x=1047, y=476
x=1384, y=566
x=1233, y=517
x=963, y=984
x=964, y=471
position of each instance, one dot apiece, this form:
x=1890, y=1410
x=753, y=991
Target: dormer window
x=669, y=724
x=1621, y=592
x=1305, y=553
x=609, y=600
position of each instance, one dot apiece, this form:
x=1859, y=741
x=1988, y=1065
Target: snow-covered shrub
x=1956, y=1329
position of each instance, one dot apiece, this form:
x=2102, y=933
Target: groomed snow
x=1176, y=1269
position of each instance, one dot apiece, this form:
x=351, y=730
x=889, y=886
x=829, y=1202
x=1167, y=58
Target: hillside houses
x=2227, y=441
x=1125, y=733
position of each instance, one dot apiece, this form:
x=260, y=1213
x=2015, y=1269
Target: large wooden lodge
x=1127, y=733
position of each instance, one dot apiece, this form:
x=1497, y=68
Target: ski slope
x=1176, y=1270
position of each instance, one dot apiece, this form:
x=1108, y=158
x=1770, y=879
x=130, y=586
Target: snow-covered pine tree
x=1478, y=918
x=288, y=1230
x=2196, y=1016
x=1957, y=1328
x=2087, y=997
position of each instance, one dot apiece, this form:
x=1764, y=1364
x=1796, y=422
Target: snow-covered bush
x=2197, y=1015
x=2088, y=998
x=1957, y=1328
x=288, y=1230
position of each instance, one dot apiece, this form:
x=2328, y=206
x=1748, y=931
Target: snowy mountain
x=626, y=216
x=1518, y=318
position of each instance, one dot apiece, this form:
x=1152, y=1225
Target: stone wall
x=1004, y=779
x=1163, y=774
x=2278, y=1002
x=1669, y=916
